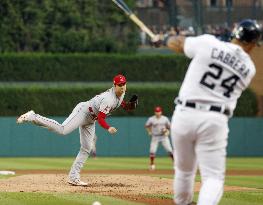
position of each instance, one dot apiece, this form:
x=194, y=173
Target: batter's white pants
x=200, y=138
x=160, y=139
x=79, y=118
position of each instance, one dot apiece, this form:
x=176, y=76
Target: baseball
x=96, y=203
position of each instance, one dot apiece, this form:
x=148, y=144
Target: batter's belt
x=201, y=106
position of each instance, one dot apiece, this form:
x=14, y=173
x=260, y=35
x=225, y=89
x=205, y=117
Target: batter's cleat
x=25, y=117
x=193, y=203
x=152, y=167
x=77, y=182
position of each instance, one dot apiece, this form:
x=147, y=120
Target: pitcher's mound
x=113, y=185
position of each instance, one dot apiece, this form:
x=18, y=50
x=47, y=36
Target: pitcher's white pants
x=79, y=118
x=200, y=138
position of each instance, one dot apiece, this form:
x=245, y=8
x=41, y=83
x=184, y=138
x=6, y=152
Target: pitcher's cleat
x=77, y=182
x=25, y=117
x=152, y=167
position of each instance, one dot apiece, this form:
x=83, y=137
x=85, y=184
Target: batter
x=217, y=75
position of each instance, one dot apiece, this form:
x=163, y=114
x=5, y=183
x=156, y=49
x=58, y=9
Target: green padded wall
x=245, y=139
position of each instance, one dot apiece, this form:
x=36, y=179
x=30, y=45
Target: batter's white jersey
x=157, y=125
x=105, y=102
x=218, y=73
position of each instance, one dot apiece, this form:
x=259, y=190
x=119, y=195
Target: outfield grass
x=229, y=198
x=245, y=181
x=245, y=163
x=110, y=163
x=101, y=163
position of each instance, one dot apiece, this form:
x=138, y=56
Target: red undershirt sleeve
x=101, y=120
x=123, y=105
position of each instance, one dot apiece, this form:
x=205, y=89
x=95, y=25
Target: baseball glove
x=133, y=102
x=165, y=132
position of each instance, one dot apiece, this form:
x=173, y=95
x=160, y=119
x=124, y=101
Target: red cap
x=119, y=79
x=158, y=109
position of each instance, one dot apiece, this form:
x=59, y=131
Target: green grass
x=58, y=199
x=245, y=163
x=242, y=198
x=115, y=163
x=242, y=181
x=245, y=181
x=6, y=176
x=65, y=163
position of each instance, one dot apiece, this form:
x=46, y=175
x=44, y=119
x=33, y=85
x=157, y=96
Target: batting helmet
x=158, y=109
x=119, y=79
x=248, y=31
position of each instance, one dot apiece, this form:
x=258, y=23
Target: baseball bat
x=123, y=6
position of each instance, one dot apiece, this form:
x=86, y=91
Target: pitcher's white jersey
x=218, y=73
x=158, y=125
x=105, y=102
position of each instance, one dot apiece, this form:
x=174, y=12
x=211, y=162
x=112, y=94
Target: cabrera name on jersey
x=218, y=73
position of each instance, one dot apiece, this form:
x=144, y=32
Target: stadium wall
x=28, y=140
